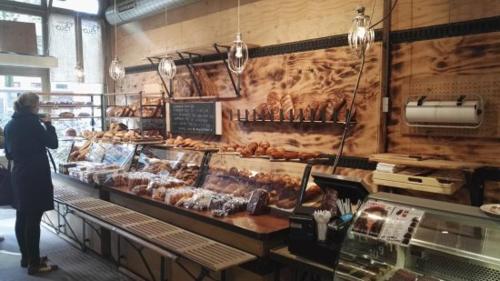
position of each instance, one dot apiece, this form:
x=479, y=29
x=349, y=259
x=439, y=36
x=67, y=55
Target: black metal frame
x=167, y=89
x=236, y=87
x=190, y=67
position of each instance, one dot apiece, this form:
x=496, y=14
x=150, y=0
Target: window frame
x=44, y=12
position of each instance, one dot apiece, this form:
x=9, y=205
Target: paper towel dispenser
x=463, y=112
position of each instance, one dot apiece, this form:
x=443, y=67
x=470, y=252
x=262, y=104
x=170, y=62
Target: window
x=62, y=45
x=37, y=20
x=10, y=86
x=93, y=55
x=83, y=6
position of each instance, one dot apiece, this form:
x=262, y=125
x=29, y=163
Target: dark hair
x=26, y=102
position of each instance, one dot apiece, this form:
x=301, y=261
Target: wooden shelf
x=135, y=117
x=294, y=121
x=76, y=117
x=68, y=105
x=424, y=162
x=67, y=95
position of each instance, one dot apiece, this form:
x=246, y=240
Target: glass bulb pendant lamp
x=79, y=72
x=237, y=55
x=116, y=69
x=167, y=68
x=361, y=35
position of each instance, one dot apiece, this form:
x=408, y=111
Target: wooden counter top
x=262, y=227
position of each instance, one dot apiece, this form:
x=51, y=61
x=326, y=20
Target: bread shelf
x=68, y=106
x=134, y=117
x=67, y=95
x=252, y=117
x=76, y=117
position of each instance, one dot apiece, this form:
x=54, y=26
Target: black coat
x=26, y=143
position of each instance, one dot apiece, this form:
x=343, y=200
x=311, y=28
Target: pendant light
x=361, y=34
x=167, y=67
x=116, y=68
x=238, y=53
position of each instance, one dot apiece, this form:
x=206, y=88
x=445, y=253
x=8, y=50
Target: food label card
x=389, y=222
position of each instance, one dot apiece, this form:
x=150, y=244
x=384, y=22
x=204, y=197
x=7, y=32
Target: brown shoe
x=42, y=267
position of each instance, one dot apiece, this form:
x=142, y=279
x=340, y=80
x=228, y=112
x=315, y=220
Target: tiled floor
x=73, y=264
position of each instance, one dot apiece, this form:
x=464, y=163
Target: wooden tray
x=434, y=183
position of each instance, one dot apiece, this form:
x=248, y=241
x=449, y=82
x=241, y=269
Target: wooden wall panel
x=308, y=76
x=449, y=59
x=263, y=22
x=419, y=13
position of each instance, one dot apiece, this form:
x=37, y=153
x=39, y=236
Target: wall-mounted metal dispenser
x=465, y=112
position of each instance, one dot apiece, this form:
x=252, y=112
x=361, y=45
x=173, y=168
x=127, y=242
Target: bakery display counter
x=192, y=190
x=396, y=237
x=261, y=227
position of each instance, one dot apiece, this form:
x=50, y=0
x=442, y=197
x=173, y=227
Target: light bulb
x=79, y=72
x=361, y=36
x=237, y=55
x=116, y=69
x=167, y=67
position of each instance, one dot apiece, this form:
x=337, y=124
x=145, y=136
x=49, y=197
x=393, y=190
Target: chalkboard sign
x=204, y=118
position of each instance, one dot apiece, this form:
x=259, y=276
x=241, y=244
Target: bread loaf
x=287, y=106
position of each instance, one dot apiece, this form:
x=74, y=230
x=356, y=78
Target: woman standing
x=26, y=143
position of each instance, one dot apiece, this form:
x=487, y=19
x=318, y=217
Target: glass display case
x=279, y=181
x=61, y=154
x=400, y=238
x=182, y=164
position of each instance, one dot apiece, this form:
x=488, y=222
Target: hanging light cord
x=349, y=115
x=116, y=34
x=238, y=16
x=386, y=16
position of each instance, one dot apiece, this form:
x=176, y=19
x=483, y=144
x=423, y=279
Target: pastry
x=66, y=115
x=262, y=111
x=288, y=155
x=329, y=111
x=273, y=97
x=139, y=190
x=278, y=153
x=311, y=192
x=260, y=151
x=252, y=147
x=314, y=108
x=286, y=203
x=110, y=111
x=319, y=114
x=70, y=132
x=287, y=106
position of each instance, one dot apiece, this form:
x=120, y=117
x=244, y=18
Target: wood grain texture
x=263, y=22
x=307, y=77
x=447, y=60
x=419, y=13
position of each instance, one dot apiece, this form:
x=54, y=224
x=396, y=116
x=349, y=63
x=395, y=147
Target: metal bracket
x=237, y=87
x=420, y=100
x=139, y=250
x=204, y=273
x=150, y=59
x=460, y=100
x=190, y=67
